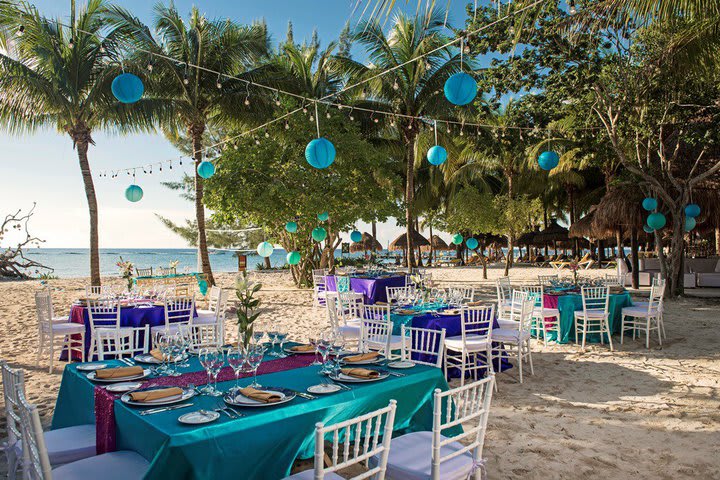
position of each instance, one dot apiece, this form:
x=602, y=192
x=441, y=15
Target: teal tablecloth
x=262, y=445
x=568, y=304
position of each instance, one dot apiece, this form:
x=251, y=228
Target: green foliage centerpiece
x=245, y=289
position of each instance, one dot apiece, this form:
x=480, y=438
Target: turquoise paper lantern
x=206, y=169
x=203, y=286
x=437, y=155
x=656, y=220
x=134, y=193
x=293, y=258
x=690, y=223
x=647, y=229
x=265, y=249
x=548, y=160
x=323, y=216
x=471, y=243
x=356, y=236
x=127, y=88
x=319, y=234
x=649, y=204
x=457, y=239
x=692, y=210
x=291, y=227
x=460, y=89
x=320, y=153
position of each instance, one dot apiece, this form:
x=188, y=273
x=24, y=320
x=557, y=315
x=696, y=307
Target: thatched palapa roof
x=368, y=242
x=553, y=233
x=400, y=242
x=620, y=209
x=437, y=244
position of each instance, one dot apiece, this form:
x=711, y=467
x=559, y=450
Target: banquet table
x=372, y=288
x=264, y=443
x=569, y=303
x=135, y=316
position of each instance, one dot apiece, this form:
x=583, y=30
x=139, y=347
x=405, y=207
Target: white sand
x=632, y=413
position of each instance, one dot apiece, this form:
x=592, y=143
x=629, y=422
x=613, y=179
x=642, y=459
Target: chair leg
x=622, y=329
x=41, y=347
x=647, y=332
x=606, y=322
x=520, y=360
x=544, y=330
x=584, y=334
x=662, y=324
x=462, y=369
x=529, y=354
x=52, y=352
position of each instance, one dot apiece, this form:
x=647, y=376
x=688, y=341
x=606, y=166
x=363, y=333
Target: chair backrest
x=520, y=311
x=44, y=309
x=547, y=280
x=202, y=335
x=179, y=309
x=99, y=291
x=375, y=333
x=595, y=298
x=13, y=382
x=319, y=282
x=144, y=272
x=398, y=293
x=350, y=306
x=477, y=321
x=165, y=271
x=217, y=297
x=103, y=313
x=376, y=312
x=464, y=294
x=535, y=292
x=504, y=289
x=119, y=343
x=422, y=342
x=655, y=302
x=366, y=431
x=611, y=280
x=468, y=406
x=36, y=463
x=332, y=307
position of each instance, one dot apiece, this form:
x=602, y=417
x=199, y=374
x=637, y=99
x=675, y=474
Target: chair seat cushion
x=639, y=311
x=396, y=342
x=592, y=314
x=509, y=335
x=205, y=318
x=68, y=328
x=120, y=465
x=546, y=312
x=310, y=475
x=206, y=312
x=172, y=329
x=69, y=444
x=474, y=343
x=410, y=458
x=507, y=323
x=349, y=331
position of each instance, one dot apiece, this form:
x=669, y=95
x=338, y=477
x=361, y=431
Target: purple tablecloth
x=373, y=289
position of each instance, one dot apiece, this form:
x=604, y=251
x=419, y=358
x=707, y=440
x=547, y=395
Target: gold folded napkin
x=406, y=312
x=120, y=372
x=474, y=304
x=160, y=393
x=360, y=372
x=259, y=395
x=363, y=357
x=381, y=303
x=303, y=348
x=157, y=354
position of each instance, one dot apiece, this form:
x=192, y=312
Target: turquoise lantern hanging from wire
x=291, y=227
x=437, y=155
x=134, y=193
x=319, y=234
x=355, y=236
x=649, y=204
x=319, y=153
x=265, y=249
x=548, y=159
x=206, y=169
x=127, y=88
x=323, y=216
x=460, y=89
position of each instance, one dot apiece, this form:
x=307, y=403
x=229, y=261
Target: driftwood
x=13, y=262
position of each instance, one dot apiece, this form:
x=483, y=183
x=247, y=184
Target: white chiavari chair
x=319, y=289
x=611, y=281
x=434, y=456
x=422, y=342
x=548, y=280
x=376, y=334
x=215, y=313
x=463, y=351
x=463, y=294
x=516, y=338
x=144, y=272
x=119, y=465
x=203, y=335
x=104, y=314
x=122, y=342
x=504, y=294
x=395, y=294
x=645, y=318
x=179, y=311
x=99, y=291
x=345, y=310
x=594, y=316
x=52, y=328
x=367, y=446
x=545, y=319
x=64, y=445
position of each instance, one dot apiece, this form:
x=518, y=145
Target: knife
x=165, y=409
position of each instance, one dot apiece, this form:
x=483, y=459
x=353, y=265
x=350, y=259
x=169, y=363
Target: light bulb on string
x=277, y=98
x=186, y=80
x=395, y=85
x=351, y=115
x=257, y=141
x=287, y=125
x=150, y=66
x=71, y=44
x=573, y=9
x=21, y=30
x=327, y=114
x=247, y=100
x=267, y=134
x=218, y=83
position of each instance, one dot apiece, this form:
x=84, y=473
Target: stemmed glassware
x=281, y=336
x=211, y=359
x=254, y=356
x=174, y=349
x=336, y=347
x=162, y=343
x=273, y=335
x=236, y=360
x=315, y=341
x=323, y=347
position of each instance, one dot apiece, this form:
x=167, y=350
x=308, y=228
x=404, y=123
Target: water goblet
x=236, y=360
x=281, y=337
x=314, y=341
x=205, y=356
x=324, y=349
x=217, y=363
x=254, y=359
x=258, y=336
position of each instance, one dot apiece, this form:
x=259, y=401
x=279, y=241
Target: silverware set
x=304, y=395
x=227, y=410
x=152, y=411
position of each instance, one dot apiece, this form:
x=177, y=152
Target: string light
x=21, y=30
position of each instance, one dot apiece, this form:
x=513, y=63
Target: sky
x=42, y=167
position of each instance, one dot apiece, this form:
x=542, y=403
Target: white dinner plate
x=341, y=377
x=123, y=387
x=197, y=418
x=147, y=358
x=401, y=364
x=450, y=312
x=240, y=400
x=290, y=350
x=324, y=388
x=91, y=367
x=91, y=376
x=378, y=359
x=187, y=393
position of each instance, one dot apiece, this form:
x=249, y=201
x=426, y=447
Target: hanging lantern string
x=436, y=142
x=462, y=47
x=317, y=120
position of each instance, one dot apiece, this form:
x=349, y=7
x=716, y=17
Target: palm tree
x=199, y=99
x=59, y=76
x=414, y=88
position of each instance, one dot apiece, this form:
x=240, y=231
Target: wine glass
x=273, y=335
x=205, y=356
x=323, y=347
x=257, y=336
x=174, y=352
x=254, y=357
x=336, y=348
x=217, y=363
x=314, y=341
x=281, y=336
x=236, y=360
x=162, y=343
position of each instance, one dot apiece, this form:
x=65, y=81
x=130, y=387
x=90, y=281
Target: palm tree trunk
x=196, y=132
x=82, y=139
x=374, y=234
x=635, y=259
x=432, y=249
x=409, y=193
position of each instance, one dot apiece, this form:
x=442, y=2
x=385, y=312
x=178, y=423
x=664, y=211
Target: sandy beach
x=634, y=413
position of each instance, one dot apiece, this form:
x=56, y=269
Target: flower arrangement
x=245, y=290
x=126, y=268
x=574, y=266
x=174, y=264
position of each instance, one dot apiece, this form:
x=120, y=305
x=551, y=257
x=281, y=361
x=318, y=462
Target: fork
x=223, y=409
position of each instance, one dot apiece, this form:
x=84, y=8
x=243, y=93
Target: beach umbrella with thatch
x=368, y=242
x=553, y=233
x=400, y=243
x=438, y=244
x=584, y=228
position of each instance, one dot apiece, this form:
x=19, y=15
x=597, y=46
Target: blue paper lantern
x=291, y=227
x=692, y=210
x=356, y=236
x=319, y=234
x=265, y=249
x=437, y=155
x=293, y=258
x=127, y=88
x=323, y=216
x=471, y=243
x=690, y=223
x=206, y=169
x=548, y=160
x=457, y=239
x=134, y=193
x=460, y=89
x=647, y=229
x=203, y=286
x=649, y=204
x=320, y=153
x=656, y=220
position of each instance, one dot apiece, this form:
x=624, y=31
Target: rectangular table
x=373, y=289
x=263, y=444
